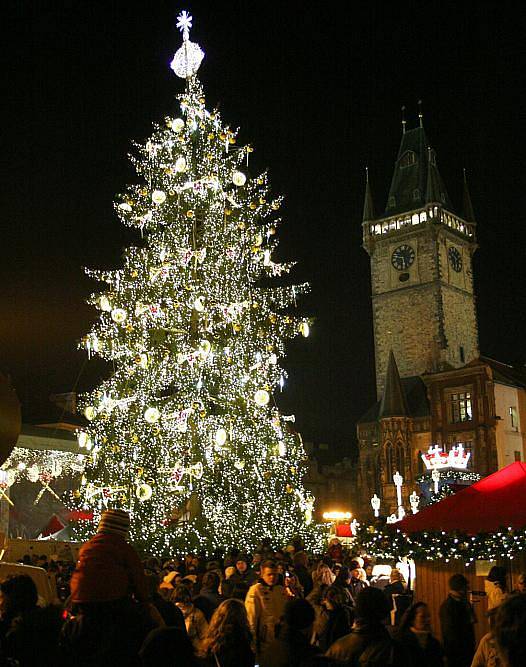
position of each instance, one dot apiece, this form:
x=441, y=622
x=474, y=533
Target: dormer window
x=407, y=159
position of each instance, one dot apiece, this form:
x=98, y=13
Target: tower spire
x=467, y=207
x=420, y=114
x=394, y=401
x=404, y=122
x=368, y=204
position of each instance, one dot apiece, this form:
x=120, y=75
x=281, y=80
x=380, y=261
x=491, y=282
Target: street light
x=375, y=502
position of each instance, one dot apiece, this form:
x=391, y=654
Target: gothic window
x=389, y=462
x=407, y=159
x=460, y=407
x=392, y=202
x=416, y=194
x=399, y=458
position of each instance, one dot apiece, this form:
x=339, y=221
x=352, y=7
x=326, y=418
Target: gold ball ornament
x=135, y=438
x=275, y=205
x=289, y=488
x=134, y=273
x=272, y=318
x=241, y=225
x=129, y=328
x=236, y=327
x=262, y=200
x=253, y=206
x=190, y=214
x=231, y=140
x=272, y=231
x=260, y=181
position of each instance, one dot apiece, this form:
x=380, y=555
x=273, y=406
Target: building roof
x=467, y=207
x=368, y=204
x=506, y=374
x=497, y=501
x=394, y=402
x=416, y=396
x=416, y=179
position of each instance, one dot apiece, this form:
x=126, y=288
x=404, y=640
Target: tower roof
x=394, y=401
x=467, y=207
x=368, y=204
x=416, y=179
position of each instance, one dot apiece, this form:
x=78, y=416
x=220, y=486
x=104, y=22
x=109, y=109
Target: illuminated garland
x=451, y=475
x=390, y=543
x=185, y=434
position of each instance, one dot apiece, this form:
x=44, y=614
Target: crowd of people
x=268, y=609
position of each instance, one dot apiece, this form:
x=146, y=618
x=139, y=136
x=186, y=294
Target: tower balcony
x=430, y=214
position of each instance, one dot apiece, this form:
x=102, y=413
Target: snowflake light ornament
x=187, y=59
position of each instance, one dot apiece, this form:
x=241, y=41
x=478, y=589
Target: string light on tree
x=185, y=434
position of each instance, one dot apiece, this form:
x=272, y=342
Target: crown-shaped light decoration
x=456, y=458
x=187, y=59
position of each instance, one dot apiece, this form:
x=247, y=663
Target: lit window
x=423, y=216
x=514, y=418
x=460, y=407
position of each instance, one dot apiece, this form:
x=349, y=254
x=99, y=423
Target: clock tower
x=421, y=268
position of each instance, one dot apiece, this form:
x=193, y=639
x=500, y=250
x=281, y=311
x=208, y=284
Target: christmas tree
x=185, y=434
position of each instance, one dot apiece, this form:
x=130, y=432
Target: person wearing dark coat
x=292, y=647
x=171, y=615
x=335, y=619
x=29, y=633
x=167, y=647
x=417, y=644
x=300, y=570
x=243, y=578
x=369, y=640
x=457, y=619
x=208, y=599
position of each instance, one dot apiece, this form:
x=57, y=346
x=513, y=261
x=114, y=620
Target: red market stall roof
x=343, y=530
x=494, y=502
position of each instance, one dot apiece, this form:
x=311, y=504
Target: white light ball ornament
x=104, y=304
x=239, y=178
x=304, y=329
x=199, y=304
x=90, y=413
x=180, y=165
x=152, y=415
x=144, y=492
x=186, y=61
x=158, y=196
x=220, y=437
x=118, y=315
x=177, y=125
x=261, y=397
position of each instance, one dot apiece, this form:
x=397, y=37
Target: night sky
x=317, y=89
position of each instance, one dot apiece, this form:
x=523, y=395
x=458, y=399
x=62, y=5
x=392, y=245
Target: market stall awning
x=496, y=501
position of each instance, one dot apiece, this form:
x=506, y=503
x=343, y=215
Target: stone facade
x=426, y=312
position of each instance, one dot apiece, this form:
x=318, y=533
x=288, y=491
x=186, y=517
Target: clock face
x=455, y=259
x=402, y=257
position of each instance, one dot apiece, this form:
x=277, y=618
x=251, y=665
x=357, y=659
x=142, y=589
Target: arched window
x=400, y=458
x=416, y=194
x=407, y=159
x=389, y=462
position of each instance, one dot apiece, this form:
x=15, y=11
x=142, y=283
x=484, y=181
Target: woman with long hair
x=419, y=646
x=335, y=620
x=228, y=640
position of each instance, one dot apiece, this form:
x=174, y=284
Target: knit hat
x=115, y=521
